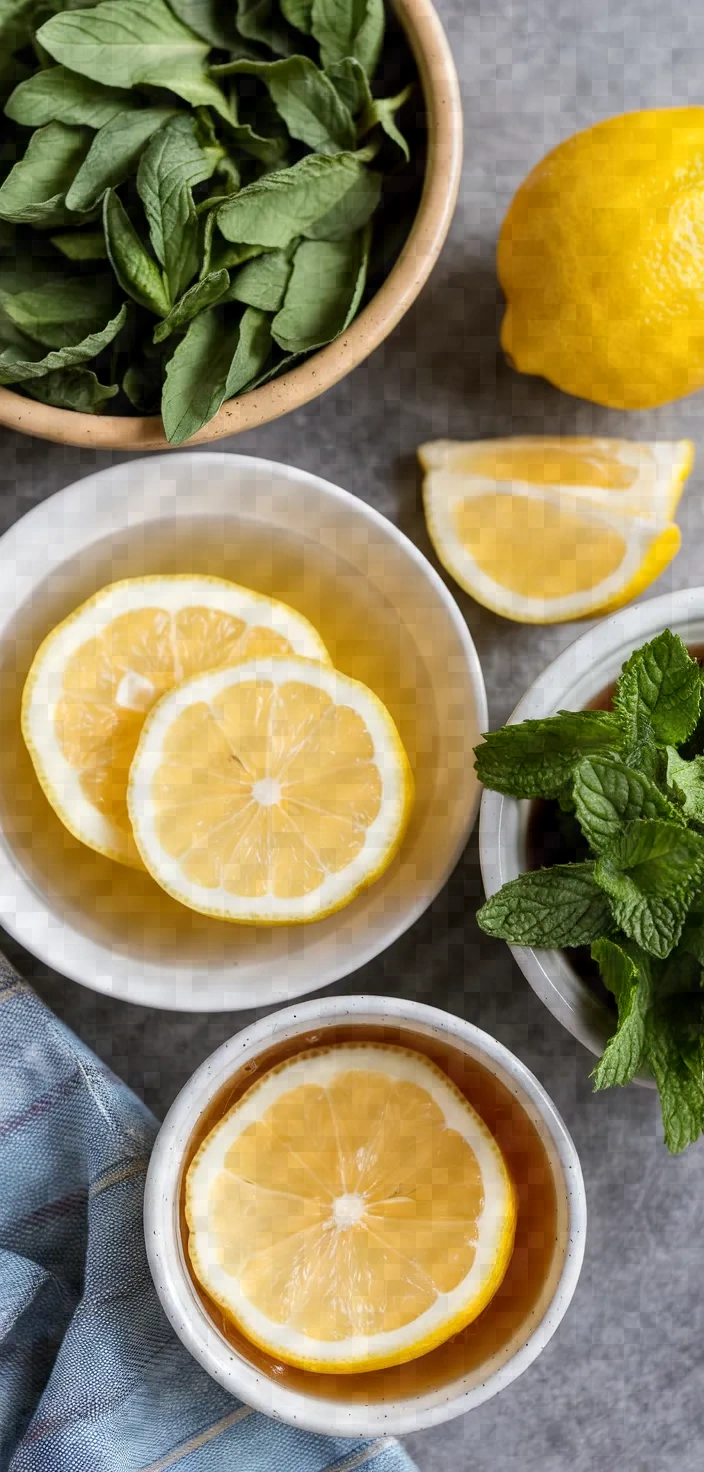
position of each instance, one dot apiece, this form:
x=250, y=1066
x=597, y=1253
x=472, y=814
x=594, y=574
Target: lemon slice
x=98, y=673
x=351, y=1210
x=270, y=792
x=546, y=530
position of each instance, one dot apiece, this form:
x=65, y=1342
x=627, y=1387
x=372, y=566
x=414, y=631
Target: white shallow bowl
x=574, y=679
x=332, y=1414
x=385, y=615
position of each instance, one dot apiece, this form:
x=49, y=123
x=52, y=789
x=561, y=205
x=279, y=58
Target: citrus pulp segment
x=269, y=793
x=543, y=530
x=351, y=1211
x=96, y=676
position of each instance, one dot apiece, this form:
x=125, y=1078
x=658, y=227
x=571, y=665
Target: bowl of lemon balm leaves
x=592, y=848
x=207, y=222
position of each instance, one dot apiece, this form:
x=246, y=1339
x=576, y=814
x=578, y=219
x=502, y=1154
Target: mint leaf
x=381, y=112
x=562, y=906
x=349, y=28
x=306, y=99
x=213, y=362
x=62, y=312
x=14, y=368
x=323, y=292
x=81, y=245
x=651, y=874
x=71, y=388
x=607, y=794
x=626, y=971
x=285, y=203
x=202, y=294
x=169, y=169
x=681, y=1090
x=113, y=154
x=687, y=780
x=136, y=271
x=659, y=691
x=262, y=282
x=59, y=96
x=539, y=758
x=34, y=192
x=127, y=43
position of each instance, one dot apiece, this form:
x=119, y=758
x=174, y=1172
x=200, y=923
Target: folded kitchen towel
x=92, y=1378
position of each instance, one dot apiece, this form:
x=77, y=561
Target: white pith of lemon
x=269, y=793
x=351, y=1211
x=96, y=676
x=542, y=530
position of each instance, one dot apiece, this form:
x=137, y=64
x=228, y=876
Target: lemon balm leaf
x=687, y=780
x=681, y=1093
x=561, y=906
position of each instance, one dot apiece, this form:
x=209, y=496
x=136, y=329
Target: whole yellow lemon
x=601, y=258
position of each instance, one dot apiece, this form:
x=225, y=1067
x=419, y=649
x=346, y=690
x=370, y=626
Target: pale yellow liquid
x=121, y=907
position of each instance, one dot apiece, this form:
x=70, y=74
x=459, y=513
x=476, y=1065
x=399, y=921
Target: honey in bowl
x=521, y=1290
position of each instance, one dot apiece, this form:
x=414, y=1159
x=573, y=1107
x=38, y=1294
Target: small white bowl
x=332, y=1414
x=385, y=615
x=575, y=678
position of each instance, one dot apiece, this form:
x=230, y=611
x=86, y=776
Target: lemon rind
x=452, y=1312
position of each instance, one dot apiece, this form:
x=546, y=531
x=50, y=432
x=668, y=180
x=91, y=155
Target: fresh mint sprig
x=640, y=903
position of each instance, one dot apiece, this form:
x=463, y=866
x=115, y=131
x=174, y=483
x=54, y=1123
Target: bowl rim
x=173, y=1283
x=24, y=911
x=441, y=92
x=579, y=673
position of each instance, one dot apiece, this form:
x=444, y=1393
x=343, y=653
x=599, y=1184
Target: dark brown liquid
x=555, y=837
x=512, y=1309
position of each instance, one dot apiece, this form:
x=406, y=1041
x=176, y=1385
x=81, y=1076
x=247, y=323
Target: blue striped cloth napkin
x=92, y=1378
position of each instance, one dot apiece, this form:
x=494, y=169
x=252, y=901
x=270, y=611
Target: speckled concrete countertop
x=619, y=1387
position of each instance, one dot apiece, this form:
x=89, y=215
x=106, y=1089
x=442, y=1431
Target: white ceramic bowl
x=385, y=615
x=575, y=678
x=302, y=1407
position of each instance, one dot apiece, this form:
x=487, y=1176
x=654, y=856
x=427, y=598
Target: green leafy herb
x=539, y=758
x=136, y=271
x=687, y=781
x=286, y=202
x=262, y=282
x=607, y=793
x=306, y=99
x=59, y=96
x=212, y=363
x=640, y=806
x=323, y=293
x=114, y=154
x=127, y=43
x=16, y=369
x=218, y=156
x=34, y=192
x=345, y=28
x=202, y=294
x=562, y=906
x=171, y=166
x=72, y=388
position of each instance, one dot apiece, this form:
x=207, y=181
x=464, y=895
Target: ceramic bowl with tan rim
x=443, y=112
x=571, y=682
x=454, y=1378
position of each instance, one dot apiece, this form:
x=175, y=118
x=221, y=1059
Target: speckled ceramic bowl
x=443, y=109
x=580, y=673
x=382, y=1411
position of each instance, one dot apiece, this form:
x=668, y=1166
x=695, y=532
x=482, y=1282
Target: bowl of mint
x=592, y=848
x=210, y=213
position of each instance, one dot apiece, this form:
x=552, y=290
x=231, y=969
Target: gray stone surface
x=620, y=1384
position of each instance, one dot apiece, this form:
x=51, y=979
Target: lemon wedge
x=544, y=530
x=96, y=676
x=269, y=792
x=351, y=1211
